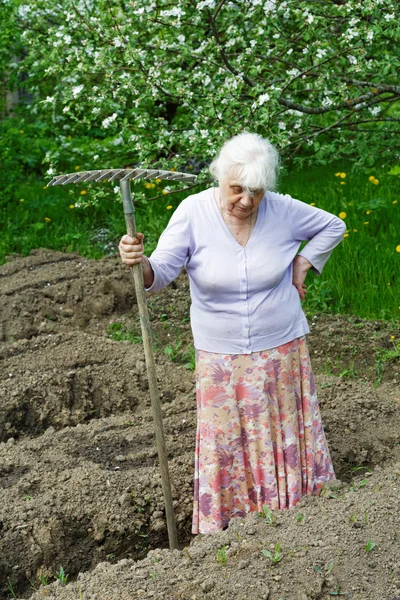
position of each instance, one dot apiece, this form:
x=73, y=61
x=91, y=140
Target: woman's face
x=238, y=201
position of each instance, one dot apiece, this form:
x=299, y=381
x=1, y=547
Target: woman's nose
x=246, y=199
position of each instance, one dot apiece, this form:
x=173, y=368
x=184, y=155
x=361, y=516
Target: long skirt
x=260, y=439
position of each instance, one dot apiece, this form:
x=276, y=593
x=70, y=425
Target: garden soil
x=79, y=475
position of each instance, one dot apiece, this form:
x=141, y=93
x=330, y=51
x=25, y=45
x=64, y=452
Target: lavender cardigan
x=243, y=299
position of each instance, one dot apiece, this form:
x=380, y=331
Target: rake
x=124, y=176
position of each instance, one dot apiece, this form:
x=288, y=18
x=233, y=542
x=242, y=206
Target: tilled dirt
x=79, y=475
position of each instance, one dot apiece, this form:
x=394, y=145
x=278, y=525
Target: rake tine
x=117, y=175
x=149, y=174
x=83, y=177
x=128, y=175
x=104, y=175
x=59, y=180
x=93, y=175
x=141, y=171
x=71, y=178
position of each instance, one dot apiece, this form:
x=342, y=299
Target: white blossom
x=389, y=16
x=205, y=4
x=263, y=98
x=76, y=90
x=374, y=110
x=370, y=35
x=352, y=59
x=181, y=39
x=282, y=125
x=118, y=42
x=326, y=101
x=107, y=122
x=116, y=189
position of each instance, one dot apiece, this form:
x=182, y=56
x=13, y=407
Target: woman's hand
x=131, y=249
x=300, y=267
x=132, y=253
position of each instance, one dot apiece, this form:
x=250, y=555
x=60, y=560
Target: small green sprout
x=266, y=514
x=277, y=556
x=62, y=576
x=369, y=545
x=10, y=587
x=300, y=517
x=153, y=575
x=221, y=556
x=27, y=498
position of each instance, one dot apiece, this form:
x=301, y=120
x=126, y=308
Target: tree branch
x=222, y=51
x=395, y=89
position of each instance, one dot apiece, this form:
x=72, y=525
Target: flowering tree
x=162, y=83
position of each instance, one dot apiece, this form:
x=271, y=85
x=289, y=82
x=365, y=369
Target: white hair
x=249, y=158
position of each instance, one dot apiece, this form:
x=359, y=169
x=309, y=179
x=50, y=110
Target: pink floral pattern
x=260, y=438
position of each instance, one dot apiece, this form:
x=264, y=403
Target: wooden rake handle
x=137, y=274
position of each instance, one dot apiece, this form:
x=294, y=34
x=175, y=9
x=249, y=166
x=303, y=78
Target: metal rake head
x=121, y=175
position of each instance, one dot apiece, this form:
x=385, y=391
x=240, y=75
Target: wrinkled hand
x=131, y=249
x=300, y=267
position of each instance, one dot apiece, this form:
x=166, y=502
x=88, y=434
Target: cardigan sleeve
x=323, y=230
x=172, y=250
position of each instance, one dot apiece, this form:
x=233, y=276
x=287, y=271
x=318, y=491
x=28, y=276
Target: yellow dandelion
x=21, y=131
x=312, y=203
x=172, y=169
x=342, y=215
x=342, y=183
x=83, y=192
x=147, y=185
x=72, y=205
x=22, y=200
x=47, y=219
x=158, y=180
x=355, y=230
x=392, y=337
x=169, y=207
x=342, y=175
x=346, y=235
x=45, y=187
x=77, y=168
x=366, y=222
x=371, y=178
x=165, y=191
x=368, y=212
x=337, y=174
x=398, y=248
x=375, y=181
x=394, y=202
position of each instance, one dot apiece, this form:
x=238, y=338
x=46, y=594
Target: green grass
x=362, y=277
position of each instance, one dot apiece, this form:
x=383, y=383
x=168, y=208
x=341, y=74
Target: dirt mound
x=323, y=552
x=79, y=477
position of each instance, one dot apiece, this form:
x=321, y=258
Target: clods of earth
x=81, y=503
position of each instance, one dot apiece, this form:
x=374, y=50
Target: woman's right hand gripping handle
x=131, y=251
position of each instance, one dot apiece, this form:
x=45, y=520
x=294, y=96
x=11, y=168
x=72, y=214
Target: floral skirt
x=260, y=439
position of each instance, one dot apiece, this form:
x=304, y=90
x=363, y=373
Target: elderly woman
x=260, y=439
